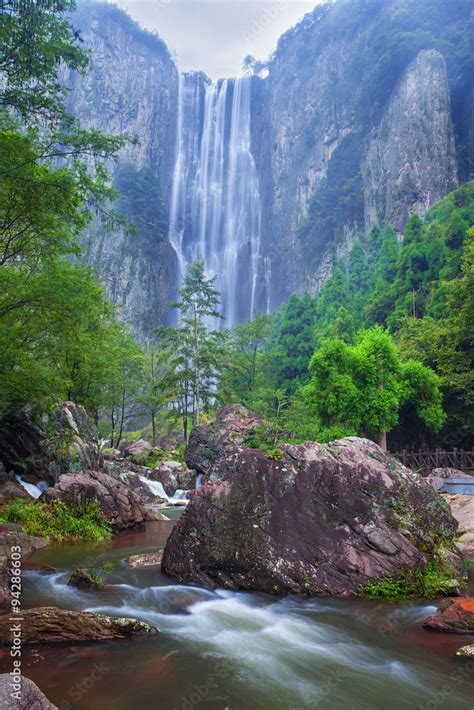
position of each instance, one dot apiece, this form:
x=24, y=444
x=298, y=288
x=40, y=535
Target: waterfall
x=155, y=487
x=34, y=489
x=199, y=480
x=215, y=211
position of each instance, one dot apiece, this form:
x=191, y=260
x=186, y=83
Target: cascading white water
x=34, y=489
x=199, y=480
x=215, y=212
x=155, y=487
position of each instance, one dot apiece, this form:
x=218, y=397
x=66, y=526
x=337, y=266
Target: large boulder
x=10, y=490
x=52, y=625
x=20, y=693
x=85, y=581
x=119, y=504
x=324, y=519
x=454, y=616
x=137, y=450
x=208, y=444
x=40, y=445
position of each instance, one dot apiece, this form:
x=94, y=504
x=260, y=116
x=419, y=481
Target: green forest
x=236, y=429
x=385, y=348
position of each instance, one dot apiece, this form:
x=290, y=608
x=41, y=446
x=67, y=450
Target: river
x=235, y=651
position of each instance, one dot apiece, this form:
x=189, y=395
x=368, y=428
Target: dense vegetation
x=404, y=308
x=55, y=521
x=59, y=337
x=385, y=347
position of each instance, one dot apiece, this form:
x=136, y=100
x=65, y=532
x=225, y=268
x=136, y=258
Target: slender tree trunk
x=197, y=365
x=382, y=442
x=112, y=427
x=153, y=427
x=122, y=418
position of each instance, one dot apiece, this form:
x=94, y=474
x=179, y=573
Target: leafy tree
x=294, y=341
x=58, y=333
x=363, y=386
x=196, y=349
x=157, y=384
x=244, y=357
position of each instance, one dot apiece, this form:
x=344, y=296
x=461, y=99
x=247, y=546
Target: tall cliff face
x=362, y=127
x=131, y=90
x=410, y=161
x=366, y=115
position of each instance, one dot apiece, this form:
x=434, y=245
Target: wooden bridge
x=426, y=461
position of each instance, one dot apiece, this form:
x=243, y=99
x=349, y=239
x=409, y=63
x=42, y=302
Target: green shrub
x=431, y=582
x=56, y=521
x=95, y=577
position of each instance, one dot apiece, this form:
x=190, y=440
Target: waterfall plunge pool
x=234, y=650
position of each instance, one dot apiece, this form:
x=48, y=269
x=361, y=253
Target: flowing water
x=34, y=489
x=180, y=497
x=215, y=212
x=219, y=650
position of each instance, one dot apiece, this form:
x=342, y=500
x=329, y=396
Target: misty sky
x=215, y=35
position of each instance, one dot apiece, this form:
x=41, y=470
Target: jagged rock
x=122, y=467
x=208, y=444
x=26, y=697
x=146, y=559
x=120, y=505
x=11, y=490
x=454, y=616
x=52, y=625
x=186, y=479
x=466, y=651
x=6, y=476
x=112, y=454
x=12, y=541
x=85, y=581
x=137, y=450
x=322, y=520
x=153, y=512
x=40, y=445
x=419, y=105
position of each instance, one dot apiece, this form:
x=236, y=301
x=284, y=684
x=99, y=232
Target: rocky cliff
x=362, y=127
x=131, y=90
x=364, y=116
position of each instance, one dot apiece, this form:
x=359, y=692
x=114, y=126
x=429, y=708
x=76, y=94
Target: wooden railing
x=426, y=461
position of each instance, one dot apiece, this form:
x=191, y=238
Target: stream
x=234, y=650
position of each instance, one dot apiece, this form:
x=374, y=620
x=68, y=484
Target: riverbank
x=231, y=649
